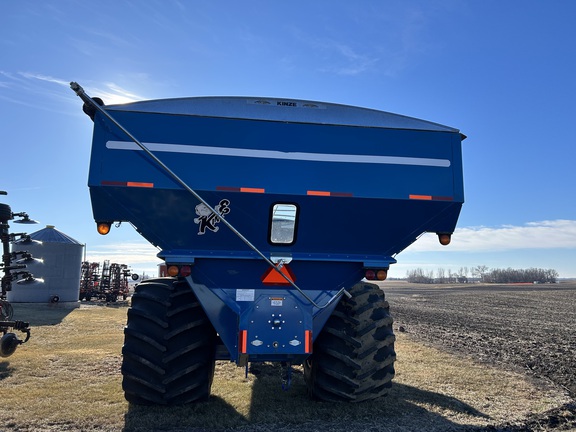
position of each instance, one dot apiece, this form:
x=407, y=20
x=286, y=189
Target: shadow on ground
x=5, y=370
x=40, y=314
x=199, y=417
x=272, y=408
x=400, y=410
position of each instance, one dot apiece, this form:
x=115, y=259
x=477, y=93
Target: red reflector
x=272, y=277
x=308, y=341
x=370, y=274
x=243, y=341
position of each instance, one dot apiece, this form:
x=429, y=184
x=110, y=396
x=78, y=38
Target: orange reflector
x=308, y=341
x=139, y=184
x=318, y=193
x=421, y=197
x=243, y=343
x=252, y=190
x=272, y=277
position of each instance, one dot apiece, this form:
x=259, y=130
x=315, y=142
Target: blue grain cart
x=271, y=215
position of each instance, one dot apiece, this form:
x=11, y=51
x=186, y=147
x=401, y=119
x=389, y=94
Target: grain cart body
x=329, y=192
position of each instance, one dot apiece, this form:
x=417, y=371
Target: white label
x=275, y=302
x=245, y=295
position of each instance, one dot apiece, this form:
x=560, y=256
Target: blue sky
x=503, y=72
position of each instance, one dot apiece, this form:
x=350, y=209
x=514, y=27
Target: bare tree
x=484, y=274
x=441, y=276
x=479, y=272
x=463, y=275
x=531, y=275
x=417, y=275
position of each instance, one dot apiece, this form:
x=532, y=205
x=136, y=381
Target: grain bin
x=60, y=269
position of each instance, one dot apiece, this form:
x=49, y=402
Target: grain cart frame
x=293, y=204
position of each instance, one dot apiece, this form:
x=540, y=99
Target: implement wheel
x=169, y=346
x=353, y=357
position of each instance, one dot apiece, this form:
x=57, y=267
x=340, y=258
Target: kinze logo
x=282, y=103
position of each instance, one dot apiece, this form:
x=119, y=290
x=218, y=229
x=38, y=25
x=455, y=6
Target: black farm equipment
x=14, y=268
x=108, y=282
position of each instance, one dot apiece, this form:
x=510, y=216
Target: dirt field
x=470, y=358
x=530, y=328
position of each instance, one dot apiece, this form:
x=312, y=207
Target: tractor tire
x=353, y=357
x=5, y=213
x=169, y=346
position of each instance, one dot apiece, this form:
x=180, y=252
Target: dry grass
x=67, y=377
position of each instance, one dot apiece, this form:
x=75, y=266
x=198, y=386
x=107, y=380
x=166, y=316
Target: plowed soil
x=527, y=327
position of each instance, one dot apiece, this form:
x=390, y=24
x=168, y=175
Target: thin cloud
x=344, y=59
x=334, y=56
x=43, y=86
x=351, y=61
x=533, y=235
x=112, y=93
x=30, y=81
x=41, y=77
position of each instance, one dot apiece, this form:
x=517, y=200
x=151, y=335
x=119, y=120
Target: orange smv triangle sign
x=272, y=277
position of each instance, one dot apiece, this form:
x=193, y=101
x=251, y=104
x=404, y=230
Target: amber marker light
x=382, y=275
x=103, y=228
x=173, y=271
x=444, y=239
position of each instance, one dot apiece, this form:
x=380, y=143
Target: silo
x=60, y=269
